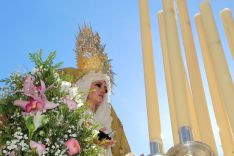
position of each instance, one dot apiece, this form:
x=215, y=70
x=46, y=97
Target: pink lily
x=31, y=90
x=73, y=146
x=38, y=101
x=72, y=105
x=28, y=87
x=40, y=148
x=35, y=105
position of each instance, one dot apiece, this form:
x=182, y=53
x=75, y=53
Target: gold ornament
x=90, y=53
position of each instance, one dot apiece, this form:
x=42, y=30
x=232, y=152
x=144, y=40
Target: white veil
x=103, y=113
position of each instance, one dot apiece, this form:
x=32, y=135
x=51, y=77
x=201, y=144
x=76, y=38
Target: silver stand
x=188, y=147
x=156, y=148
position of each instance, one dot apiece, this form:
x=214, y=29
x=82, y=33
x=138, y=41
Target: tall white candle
x=149, y=74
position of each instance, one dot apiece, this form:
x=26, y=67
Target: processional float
x=190, y=121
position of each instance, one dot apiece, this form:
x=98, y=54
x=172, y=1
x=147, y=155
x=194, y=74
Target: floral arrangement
x=43, y=114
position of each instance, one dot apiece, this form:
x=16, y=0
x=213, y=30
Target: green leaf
x=29, y=124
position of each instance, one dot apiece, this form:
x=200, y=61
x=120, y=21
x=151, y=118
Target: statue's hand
x=104, y=139
x=109, y=143
x=106, y=143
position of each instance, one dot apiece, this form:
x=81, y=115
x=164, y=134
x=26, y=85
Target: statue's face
x=97, y=92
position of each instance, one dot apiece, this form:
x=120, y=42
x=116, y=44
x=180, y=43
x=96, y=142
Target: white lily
x=37, y=120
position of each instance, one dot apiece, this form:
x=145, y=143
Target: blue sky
x=28, y=26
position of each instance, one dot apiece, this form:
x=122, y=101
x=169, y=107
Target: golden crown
x=90, y=53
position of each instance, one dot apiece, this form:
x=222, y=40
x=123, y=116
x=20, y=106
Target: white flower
x=65, y=136
x=14, y=142
x=25, y=136
x=73, y=91
x=73, y=135
x=9, y=147
x=19, y=137
x=65, y=86
x=79, y=103
x=8, y=143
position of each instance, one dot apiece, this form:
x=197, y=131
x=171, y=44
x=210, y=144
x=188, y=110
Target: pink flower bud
x=39, y=147
x=73, y=146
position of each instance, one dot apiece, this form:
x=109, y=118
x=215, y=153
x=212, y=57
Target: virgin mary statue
x=94, y=77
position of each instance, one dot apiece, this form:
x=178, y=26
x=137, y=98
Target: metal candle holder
x=188, y=147
x=156, y=149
